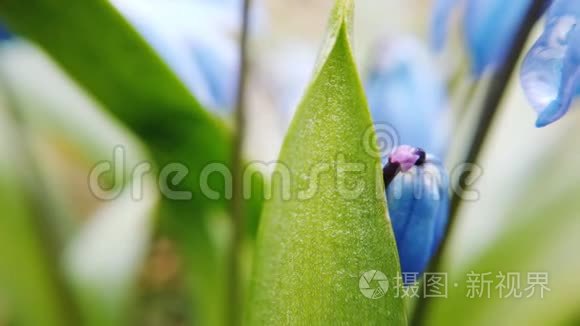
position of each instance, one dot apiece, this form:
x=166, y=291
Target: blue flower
x=440, y=22
x=489, y=28
x=550, y=74
x=406, y=93
x=419, y=208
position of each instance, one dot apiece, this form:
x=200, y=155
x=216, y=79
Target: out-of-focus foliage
x=127, y=77
x=124, y=74
x=539, y=237
x=28, y=274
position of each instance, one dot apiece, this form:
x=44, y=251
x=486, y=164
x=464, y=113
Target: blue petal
x=4, y=34
x=405, y=91
x=550, y=73
x=490, y=27
x=440, y=20
x=419, y=208
x=563, y=8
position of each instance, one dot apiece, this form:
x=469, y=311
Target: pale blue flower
x=406, y=93
x=489, y=28
x=442, y=12
x=550, y=73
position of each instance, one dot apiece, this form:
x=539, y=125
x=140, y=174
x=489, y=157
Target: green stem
x=234, y=300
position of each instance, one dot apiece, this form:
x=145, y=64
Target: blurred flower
x=442, y=12
x=551, y=70
x=405, y=92
x=197, y=39
x=489, y=25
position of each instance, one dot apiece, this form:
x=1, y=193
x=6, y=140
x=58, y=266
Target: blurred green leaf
x=103, y=253
x=312, y=252
x=32, y=286
x=540, y=237
x=98, y=48
x=56, y=110
x=103, y=260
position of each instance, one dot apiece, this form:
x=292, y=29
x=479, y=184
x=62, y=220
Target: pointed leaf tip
x=330, y=228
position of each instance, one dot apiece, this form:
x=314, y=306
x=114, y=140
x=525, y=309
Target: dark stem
x=234, y=300
x=390, y=171
x=498, y=85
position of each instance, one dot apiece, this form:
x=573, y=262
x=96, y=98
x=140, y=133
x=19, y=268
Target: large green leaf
x=99, y=49
x=104, y=54
x=314, y=247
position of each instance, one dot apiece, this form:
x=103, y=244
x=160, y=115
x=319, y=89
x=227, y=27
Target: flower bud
x=418, y=202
